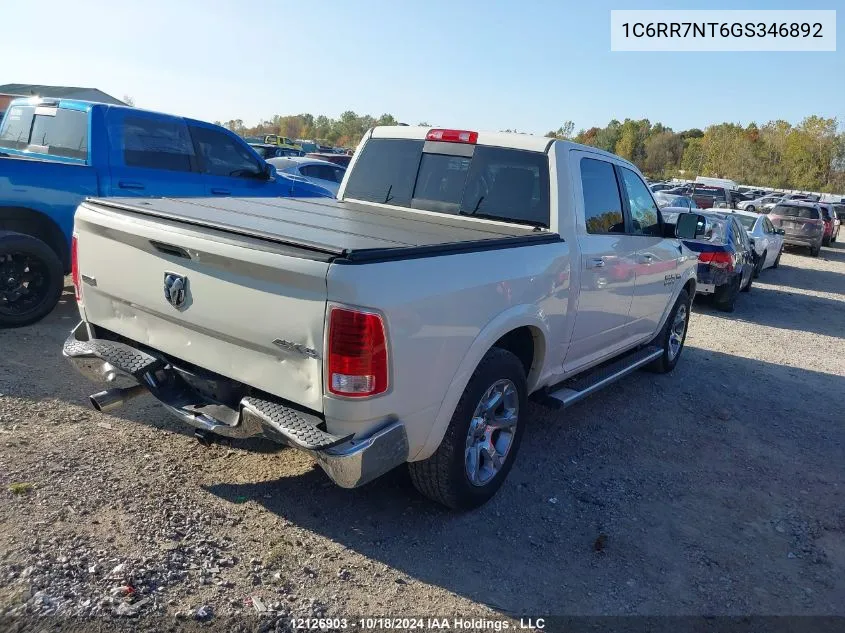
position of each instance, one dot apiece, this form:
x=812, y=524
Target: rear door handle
x=597, y=262
x=131, y=184
x=221, y=192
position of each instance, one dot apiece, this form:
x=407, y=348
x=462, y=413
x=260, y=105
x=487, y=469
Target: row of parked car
x=744, y=234
x=320, y=165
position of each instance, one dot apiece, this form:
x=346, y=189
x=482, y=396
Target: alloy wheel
x=677, y=332
x=491, y=432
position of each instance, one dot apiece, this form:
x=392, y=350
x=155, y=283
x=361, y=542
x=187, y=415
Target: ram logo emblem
x=175, y=289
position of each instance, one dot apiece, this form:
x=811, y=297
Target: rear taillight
x=719, y=259
x=74, y=268
x=452, y=136
x=357, y=353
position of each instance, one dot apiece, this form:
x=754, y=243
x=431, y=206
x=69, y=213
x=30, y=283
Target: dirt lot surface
x=717, y=489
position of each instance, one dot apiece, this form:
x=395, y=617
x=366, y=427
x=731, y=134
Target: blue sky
x=494, y=64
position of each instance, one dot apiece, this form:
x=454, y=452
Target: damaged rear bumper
x=349, y=461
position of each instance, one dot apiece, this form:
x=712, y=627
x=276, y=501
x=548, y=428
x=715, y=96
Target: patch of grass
x=21, y=488
x=279, y=551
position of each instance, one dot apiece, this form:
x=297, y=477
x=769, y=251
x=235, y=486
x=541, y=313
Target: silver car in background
x=759, y=205
x=766, y=240
x=318, y=172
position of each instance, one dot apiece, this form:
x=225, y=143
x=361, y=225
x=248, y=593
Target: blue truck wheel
x=31, y=279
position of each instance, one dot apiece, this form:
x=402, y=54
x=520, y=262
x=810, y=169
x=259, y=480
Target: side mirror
x=689, y=226
x=269, y=172
x=780, y=231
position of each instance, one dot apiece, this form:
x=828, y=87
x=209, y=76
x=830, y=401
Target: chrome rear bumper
x=348, y=461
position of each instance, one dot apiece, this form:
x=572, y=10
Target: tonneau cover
x=330, y=226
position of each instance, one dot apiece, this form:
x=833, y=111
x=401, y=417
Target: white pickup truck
x=457, y=274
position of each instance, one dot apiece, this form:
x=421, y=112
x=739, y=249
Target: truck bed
x=344, y=232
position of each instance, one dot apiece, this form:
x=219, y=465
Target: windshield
x=808, y=213
x=490, y=182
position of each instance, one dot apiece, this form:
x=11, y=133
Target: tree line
x=809, y=156
x=345, y=131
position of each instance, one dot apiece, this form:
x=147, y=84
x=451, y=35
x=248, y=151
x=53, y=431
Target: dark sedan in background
x=726, y=259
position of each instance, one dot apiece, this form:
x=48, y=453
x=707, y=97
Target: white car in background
x=759, y=204
x=318, y=172
x=765, y=238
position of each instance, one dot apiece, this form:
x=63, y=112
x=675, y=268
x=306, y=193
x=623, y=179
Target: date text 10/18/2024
x=419, y=624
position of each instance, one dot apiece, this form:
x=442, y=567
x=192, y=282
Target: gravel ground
x=718, y=489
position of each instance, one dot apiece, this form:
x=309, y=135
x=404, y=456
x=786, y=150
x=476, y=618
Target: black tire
x=667, y=362
x=725, y=296
x=747, y=287
x=777, y=259
x=45, y=283
x=760, y=263
x=815, y=250
x=750, y=208
x=825, y=241
x=443, y=477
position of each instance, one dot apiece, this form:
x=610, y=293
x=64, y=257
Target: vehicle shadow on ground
x=817, y=280
x=580, y=475
x=835, y=252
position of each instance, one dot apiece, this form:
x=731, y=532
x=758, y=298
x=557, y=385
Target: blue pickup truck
x=55, y=153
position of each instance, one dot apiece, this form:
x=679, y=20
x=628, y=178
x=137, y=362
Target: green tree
x=564, y=132
x=663, y=153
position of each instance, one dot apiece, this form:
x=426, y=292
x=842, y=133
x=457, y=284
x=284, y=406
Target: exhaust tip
x=113, y=398
x=94, y=402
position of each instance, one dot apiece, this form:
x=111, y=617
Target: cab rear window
x=494, y=182
x=52, y=131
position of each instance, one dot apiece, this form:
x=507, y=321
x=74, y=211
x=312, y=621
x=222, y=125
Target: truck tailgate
x=253, y=311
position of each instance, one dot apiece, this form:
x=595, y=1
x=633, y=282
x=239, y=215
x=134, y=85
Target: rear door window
x=602, y=202
x=157, y=144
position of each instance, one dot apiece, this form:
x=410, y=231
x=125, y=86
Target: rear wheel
x=31, y=279
x=481, y=441
x=725, y=296
x=747, y=287
x=672, y=336
x=826, y=241
x=758, y=267
x=815, y=250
